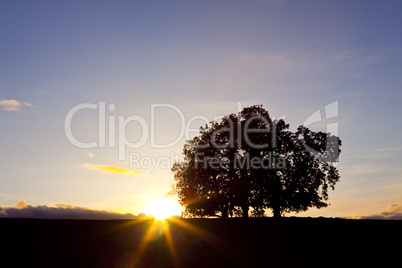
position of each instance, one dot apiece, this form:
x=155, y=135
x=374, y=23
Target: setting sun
x=162, y=208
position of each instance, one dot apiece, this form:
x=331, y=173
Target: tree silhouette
x=249, y=161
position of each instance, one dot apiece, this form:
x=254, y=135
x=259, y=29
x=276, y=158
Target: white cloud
x=13, y=105
x=10, y=109
x=10, y=105
x=60, y=211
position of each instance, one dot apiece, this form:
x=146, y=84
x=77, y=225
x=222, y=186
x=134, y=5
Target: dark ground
x=263, y=242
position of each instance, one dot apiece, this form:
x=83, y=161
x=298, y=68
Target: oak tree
x=250, y=161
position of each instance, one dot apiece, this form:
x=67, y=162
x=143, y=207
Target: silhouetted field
x=258, y=242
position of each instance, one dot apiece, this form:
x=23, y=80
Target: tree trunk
x=277, y=210
x=245, y=211
x=224, y=213
x=276, y=198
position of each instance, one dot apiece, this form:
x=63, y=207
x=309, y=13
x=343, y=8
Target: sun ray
x=170, y=242
x=136, y=257
x=211, y=239
x=160, y=231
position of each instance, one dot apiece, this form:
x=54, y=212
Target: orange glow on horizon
x=162, y=208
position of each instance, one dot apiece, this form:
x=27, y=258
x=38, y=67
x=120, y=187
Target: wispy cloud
x=289, y=62
x=389, y=152
x=112, y=169
x=25, y=103
x=380, y=153
x=60, y=211
x=13, y=105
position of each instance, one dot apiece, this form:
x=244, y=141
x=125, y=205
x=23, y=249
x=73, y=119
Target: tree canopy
x=249, y=162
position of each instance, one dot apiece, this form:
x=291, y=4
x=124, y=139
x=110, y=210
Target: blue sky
x=294, y=57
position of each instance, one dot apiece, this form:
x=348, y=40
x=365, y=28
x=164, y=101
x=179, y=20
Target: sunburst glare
x=162, y=208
